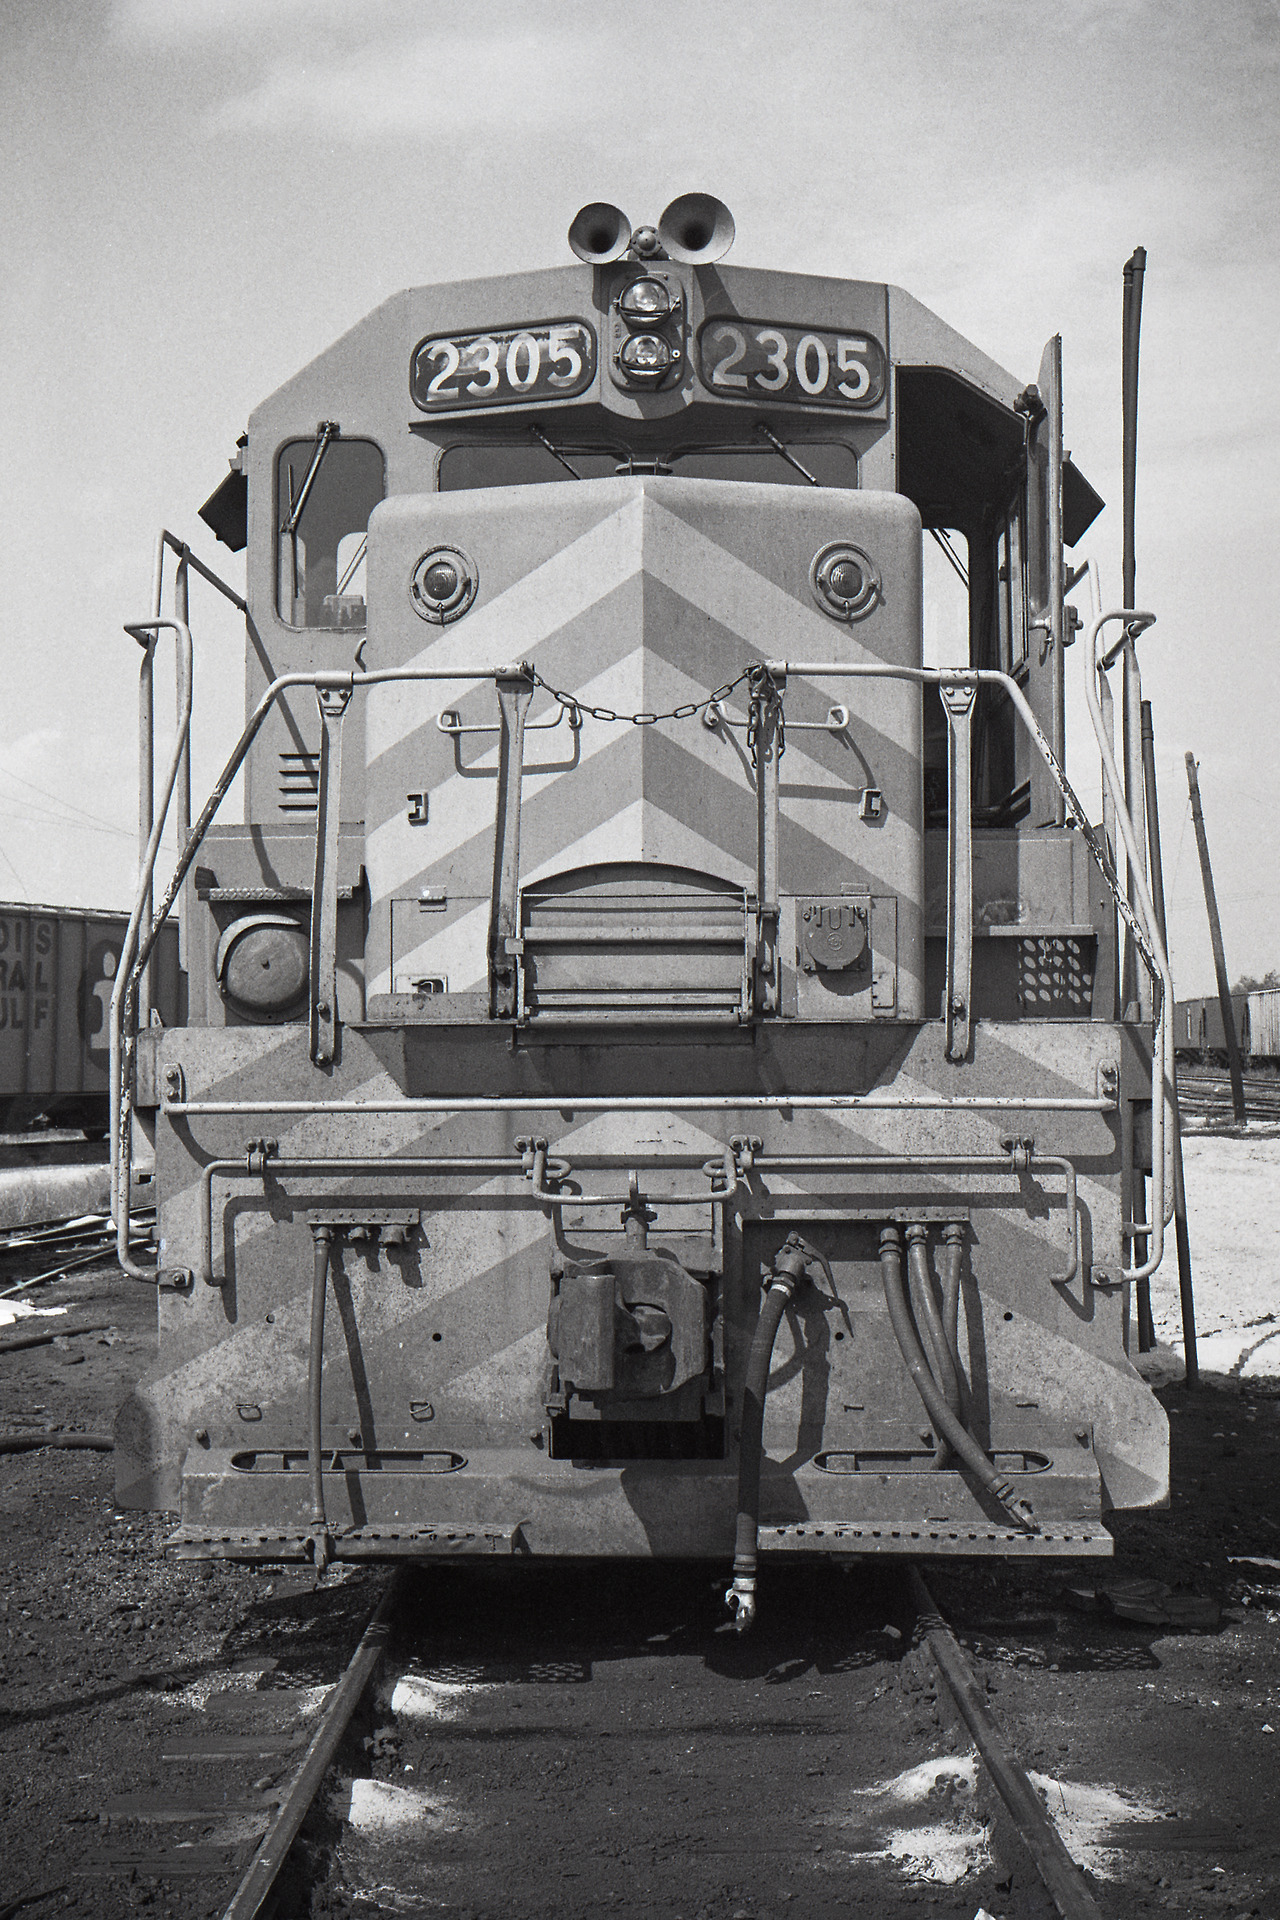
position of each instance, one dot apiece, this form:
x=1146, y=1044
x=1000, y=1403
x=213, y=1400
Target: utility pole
x=1215, y=934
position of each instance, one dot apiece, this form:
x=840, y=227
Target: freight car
x=655, y=1081
x=1198, y=1031
x=57, y=972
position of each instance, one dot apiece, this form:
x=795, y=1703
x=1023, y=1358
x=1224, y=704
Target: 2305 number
x=543, y=361
x=795, y=364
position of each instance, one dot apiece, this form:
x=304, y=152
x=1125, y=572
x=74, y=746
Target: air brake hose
x=940, y=1354
x=322, y=1236
x=741, y=1596
x=953, y=1240
x=944, y=1420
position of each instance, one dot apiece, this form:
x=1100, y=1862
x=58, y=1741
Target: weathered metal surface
x=456, y=1318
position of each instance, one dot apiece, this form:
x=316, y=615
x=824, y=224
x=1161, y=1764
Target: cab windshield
x=522, y=463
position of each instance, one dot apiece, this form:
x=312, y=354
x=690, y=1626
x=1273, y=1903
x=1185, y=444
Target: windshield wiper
x=951, y=554
x=327, y=431
x=786, y=453
x=554, y=451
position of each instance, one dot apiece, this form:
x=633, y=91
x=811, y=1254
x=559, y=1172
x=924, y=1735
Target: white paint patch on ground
x=924, y=1820
x=417, y=1696
x=11, y=1310
x=1233, y=1224
x=921, y=1820
x=1082, y=1814
x=375, y=1808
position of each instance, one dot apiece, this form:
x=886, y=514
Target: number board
x=543, y=361
x=804, y=366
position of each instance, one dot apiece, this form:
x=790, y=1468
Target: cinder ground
x=593, y=1742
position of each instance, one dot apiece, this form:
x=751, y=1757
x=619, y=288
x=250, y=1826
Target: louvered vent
x=299, y=782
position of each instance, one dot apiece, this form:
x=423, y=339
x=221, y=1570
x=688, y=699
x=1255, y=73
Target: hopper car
x=57, y=974
x=667, y=1071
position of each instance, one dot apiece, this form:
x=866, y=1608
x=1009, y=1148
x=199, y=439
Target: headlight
x=645, y=357
x=644, y=302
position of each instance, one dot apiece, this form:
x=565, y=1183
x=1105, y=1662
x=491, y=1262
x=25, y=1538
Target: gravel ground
x=594, y=1742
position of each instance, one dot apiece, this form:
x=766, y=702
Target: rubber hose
x=28, y=1442
x=945, y=1422
x=942, y=1365
x=954, y=1248
x=751, y=1439
x=315, y=1374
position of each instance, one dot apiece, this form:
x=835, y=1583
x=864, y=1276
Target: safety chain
x=685, y=712
x=765, y=695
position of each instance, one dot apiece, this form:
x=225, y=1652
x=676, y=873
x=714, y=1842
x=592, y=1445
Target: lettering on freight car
x=23, y=973
x=96, y=986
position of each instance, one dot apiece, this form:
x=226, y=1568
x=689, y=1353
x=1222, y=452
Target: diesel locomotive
x=666, y=1071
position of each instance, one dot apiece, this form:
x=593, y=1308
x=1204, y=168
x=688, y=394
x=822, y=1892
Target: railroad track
x=228, y=1799
x=1204, y=1093
x=590, y=1777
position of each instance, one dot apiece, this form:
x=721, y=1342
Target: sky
x=202, y=194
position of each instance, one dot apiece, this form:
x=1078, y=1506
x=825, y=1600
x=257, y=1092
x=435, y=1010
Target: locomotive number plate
x=800, y=365
x=543, y=361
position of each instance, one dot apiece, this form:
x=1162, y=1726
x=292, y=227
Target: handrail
x=137, y=950
x=146, y=633
x=1162, y=1068
x=184, y=553
x=1146, y=938
x=739, y=1160
x=724, y=1170
x=127, y=973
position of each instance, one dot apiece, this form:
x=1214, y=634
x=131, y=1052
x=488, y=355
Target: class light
x=644, y=302
x=645, y=357
x=846, y=580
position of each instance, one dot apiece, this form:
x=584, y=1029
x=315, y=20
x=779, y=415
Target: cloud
x=175, y=22
x=29, y=753
x=441, y=82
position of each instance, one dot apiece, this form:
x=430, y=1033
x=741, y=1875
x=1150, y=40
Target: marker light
x=644, y=302
x=845, y=581
x=443, y=585
x=645, y=357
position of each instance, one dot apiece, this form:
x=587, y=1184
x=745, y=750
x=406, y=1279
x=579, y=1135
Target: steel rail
x=1061, y=1876
x=251, y=1895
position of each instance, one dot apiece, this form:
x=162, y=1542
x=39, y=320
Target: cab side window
x=326, y=488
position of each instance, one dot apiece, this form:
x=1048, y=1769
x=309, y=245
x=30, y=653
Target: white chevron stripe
x=394, y=856
x=513, y=624
x=641, y=831
x=461, y=807
x=736, y=596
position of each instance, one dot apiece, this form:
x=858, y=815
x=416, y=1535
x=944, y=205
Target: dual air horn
x=696, y=228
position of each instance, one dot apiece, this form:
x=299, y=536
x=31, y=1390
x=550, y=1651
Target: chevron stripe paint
x=666, y=612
